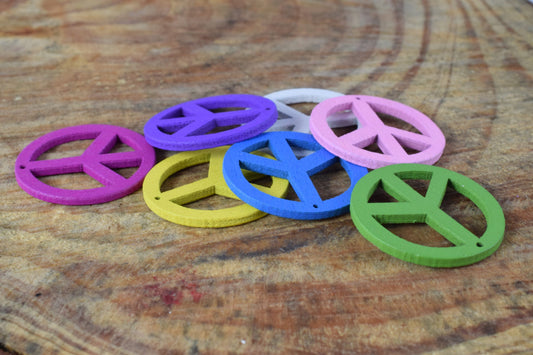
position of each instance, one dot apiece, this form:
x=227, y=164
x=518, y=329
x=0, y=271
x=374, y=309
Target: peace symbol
x=170, y=204
x=96, y=161
x=286, y=166
x=290, y=119
x=412, y=207
x=392, y=141
x=187, y=126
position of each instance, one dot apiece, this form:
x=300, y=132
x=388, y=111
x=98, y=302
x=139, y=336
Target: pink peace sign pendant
x=97, y=161
x=393, y=142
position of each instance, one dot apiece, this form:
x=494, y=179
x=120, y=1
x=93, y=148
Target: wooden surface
x=115, y=278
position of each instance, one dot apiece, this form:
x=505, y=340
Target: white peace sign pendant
x=291, y=119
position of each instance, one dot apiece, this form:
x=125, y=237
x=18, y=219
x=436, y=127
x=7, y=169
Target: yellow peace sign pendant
x=170, y=204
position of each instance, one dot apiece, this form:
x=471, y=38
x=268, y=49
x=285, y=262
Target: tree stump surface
x=117, y=279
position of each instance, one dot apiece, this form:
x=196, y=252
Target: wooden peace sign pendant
x=287, y=166
x=290, y=119
x=98, y=161
x=170, y=204
x=189, y=126
x=396, y=144
x=412, y=207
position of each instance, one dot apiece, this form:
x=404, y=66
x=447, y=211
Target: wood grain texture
x=117, y=279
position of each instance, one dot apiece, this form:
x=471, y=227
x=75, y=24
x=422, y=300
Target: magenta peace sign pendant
x=97, y=161
x=396, y=145
x=193, y=125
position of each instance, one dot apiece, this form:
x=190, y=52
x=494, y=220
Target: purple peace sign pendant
x=97, y=161
x=191, y=125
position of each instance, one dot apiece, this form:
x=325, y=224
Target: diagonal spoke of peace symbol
x=189, y=126
x=96, y=161
x=287, y=166
x=290, y=119
x=171, y=204
x=412, y=207
x=393, y=142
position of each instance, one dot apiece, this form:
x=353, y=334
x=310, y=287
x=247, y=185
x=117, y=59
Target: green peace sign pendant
x=412, y=207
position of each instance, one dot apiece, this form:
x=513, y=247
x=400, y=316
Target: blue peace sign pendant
x=287, y=166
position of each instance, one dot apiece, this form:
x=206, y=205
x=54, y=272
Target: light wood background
x=117, y=279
